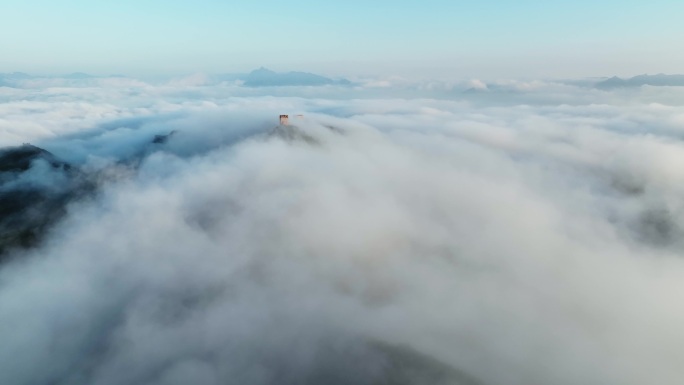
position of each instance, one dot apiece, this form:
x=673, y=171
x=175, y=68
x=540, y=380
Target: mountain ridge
x=658, y=80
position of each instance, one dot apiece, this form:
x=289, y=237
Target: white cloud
x=520, y=242
x=477, y=84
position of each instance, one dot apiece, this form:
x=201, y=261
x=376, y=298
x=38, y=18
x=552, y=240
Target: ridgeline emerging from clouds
x=660, y=80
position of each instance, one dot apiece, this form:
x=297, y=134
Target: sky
x=501, y=226
x=461, y=39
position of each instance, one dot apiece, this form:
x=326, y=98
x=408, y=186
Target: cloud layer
x=530, y=234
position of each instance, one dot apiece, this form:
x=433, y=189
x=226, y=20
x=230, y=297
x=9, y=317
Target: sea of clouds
x=520, y=232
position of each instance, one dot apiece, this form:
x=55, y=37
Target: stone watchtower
x=284, y=120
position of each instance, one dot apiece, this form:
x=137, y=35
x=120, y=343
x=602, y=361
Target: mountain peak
x=659, y=80
x=262, y=71
x=263, y=77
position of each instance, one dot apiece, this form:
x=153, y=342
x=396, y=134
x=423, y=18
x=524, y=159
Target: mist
x=527, y=233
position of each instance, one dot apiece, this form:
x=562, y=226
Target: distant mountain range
x=263, y=77
x=15, y=79
x=660, y=80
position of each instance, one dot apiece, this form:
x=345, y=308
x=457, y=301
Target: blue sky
x=430, y=37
